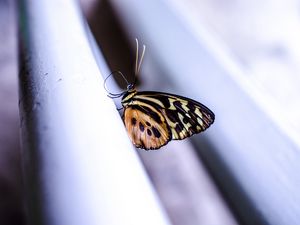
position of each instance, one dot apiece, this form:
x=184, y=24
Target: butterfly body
x=152, y=119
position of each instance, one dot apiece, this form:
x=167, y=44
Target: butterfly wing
x=146, y=127
x=184, y=116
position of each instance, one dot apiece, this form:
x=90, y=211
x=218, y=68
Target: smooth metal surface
x=255, y=164
x=79, y=165
x=184, y=186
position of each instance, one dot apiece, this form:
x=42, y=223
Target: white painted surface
x=258, y=151
x=74, y=140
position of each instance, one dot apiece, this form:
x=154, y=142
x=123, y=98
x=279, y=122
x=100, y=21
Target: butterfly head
x=130, y=90
x=130, y=87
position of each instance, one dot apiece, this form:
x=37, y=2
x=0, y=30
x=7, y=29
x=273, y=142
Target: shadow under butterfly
x=152, y=119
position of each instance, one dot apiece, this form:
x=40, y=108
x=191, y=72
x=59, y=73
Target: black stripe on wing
x=184, y=116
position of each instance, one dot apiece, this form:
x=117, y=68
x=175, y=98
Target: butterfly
x=152, y=119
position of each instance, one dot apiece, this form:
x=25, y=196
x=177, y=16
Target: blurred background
x=240, y=58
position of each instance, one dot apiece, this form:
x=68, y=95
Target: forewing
x=146, y=128
x=183, y=116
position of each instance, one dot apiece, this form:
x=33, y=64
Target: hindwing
x=147, y=129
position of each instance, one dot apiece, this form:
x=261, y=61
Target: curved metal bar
x=79, y=165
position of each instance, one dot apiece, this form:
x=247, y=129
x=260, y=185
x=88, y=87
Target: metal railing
x=254, y=163
x=79, y=165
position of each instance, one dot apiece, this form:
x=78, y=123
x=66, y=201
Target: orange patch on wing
x=144, y=131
